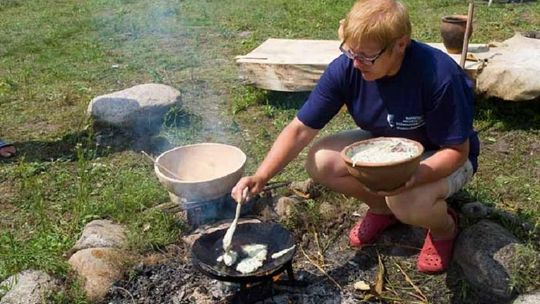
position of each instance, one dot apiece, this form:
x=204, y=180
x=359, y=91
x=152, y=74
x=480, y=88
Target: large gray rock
x=485, y=251
x=98, y=268
x=512, y=70
x=28, y=287
x=140, y=108
x=101, y=233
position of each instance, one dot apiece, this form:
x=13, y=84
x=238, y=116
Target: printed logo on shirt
x=408, y=123
x=390, y=119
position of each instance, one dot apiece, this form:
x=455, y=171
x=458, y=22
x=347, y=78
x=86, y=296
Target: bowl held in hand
x=383, y=163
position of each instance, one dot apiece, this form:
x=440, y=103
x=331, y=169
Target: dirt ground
x=326, y=269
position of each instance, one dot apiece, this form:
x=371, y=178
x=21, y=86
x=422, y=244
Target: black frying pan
x=207, y=248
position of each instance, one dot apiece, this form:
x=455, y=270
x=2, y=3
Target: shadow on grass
x=287, y=100
x=508, y=115
x=103, y=143
x=38, y=150
x=102, y=140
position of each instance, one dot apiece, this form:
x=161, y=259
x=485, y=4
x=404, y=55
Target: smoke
x=156, y=41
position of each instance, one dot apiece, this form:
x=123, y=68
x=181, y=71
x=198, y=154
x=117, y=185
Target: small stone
x=362, y=285
x=259, y=204
x=285, y=205
x=529, y=298
x=101, y=233
x=199, y=296
x=305, y=189
x=28, y=287
x=98, y=268
x=328, y=211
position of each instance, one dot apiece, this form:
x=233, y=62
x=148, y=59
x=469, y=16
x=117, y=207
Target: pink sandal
x=436, y=255
x=367, y=230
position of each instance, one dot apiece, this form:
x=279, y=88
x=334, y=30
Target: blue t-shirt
x=429, y=100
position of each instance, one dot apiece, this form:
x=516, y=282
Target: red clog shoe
x=436, y=255
x=368, y=229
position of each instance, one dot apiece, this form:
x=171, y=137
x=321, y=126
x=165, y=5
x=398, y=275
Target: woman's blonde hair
x=379, y=21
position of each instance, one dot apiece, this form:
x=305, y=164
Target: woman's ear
x=402, y=43
x=340, y=30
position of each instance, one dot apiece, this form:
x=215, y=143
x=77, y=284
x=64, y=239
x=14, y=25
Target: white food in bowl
x=383, y=151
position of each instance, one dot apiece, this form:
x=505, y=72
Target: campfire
x=320, y=268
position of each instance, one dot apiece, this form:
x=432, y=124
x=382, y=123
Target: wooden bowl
x=383, y=163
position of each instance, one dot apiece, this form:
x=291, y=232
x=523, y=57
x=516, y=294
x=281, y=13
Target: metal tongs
x=230, y=232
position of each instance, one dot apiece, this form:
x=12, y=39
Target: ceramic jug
x=453, y=32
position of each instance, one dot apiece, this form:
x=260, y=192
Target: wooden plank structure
x=296, y=65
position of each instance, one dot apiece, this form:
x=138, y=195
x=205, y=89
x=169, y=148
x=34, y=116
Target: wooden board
x=287, y=65
x=296, y=65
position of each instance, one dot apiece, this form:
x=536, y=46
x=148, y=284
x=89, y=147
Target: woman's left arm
x=439, y=165
x=442, y=163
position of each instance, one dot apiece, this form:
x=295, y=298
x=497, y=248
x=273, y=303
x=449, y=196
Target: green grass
x=526, y=269
x=55, y=56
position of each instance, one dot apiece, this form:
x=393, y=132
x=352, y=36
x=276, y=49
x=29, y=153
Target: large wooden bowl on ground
x=386, y=162
x=202, y=172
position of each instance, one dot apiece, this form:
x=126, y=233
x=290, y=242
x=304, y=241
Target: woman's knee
x=324, y=159
x=407, y=206
x=318, y=162
x=416, y=205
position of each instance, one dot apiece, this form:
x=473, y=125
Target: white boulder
x=512, y=70
x=141, y=107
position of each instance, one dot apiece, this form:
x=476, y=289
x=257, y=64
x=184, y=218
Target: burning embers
x=176, y=282
x=173, y=279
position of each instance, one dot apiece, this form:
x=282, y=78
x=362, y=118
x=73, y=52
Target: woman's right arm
x=290, y=142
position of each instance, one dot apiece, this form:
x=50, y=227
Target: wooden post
x=468, y=28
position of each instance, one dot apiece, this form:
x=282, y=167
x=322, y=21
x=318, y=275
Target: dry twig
x=390, y=288
x=275, y=185
x=319, y=251
x=379, y=283
x=320, y=268
x=420, y=295
x=126, y=291
x=332, y=239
